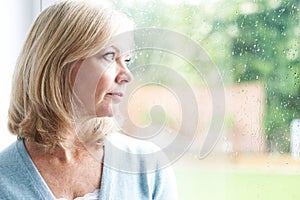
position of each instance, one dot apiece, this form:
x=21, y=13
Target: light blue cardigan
x=20, y=179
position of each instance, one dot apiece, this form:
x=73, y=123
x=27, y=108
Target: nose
x=124, y=75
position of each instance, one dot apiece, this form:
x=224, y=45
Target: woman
x=69, y=76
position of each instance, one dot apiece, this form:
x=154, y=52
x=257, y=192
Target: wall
x=243, y=126
x=16, y=17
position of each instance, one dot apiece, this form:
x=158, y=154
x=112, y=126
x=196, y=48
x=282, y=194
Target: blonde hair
x=41, y=100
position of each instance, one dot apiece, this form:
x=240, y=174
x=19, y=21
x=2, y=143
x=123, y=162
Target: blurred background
x=255, y=45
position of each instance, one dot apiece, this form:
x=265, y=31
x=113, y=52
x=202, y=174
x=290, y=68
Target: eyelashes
x=127, y=60
x=112, y=56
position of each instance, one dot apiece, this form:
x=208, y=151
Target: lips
x=115, y=96
x=120, y=94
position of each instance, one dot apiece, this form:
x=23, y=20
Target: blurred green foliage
x=267, y=49
x=248, y=40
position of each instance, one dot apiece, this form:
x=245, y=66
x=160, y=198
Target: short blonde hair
x=41, y=100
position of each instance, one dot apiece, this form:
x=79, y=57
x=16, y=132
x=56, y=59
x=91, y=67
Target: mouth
x=115, y=96
x=118, y=94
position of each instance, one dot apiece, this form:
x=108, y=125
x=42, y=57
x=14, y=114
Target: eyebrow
x=115, y=48
x=126, y=53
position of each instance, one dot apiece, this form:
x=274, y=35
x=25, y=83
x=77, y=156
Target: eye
x=127, y=60
x=110, y=56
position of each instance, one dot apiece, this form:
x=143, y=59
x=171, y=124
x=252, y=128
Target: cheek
x=85, y=77
x=105, y=84
x=91, y=81
x=86, y=80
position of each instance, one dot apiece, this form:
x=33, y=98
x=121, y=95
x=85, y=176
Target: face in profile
x=99, y=80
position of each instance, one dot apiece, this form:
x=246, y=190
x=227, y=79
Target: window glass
x=219, y=85
x=254, y=45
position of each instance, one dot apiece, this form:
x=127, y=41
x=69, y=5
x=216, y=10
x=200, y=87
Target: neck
x=62, y=154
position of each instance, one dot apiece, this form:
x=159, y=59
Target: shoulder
x=11, y=165
x=127, y=154
x=131, y=144
x=10, y=168
x=142, y=164
x=19, y=179
x=8, y=158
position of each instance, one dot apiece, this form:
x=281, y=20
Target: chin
x=108, y=112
